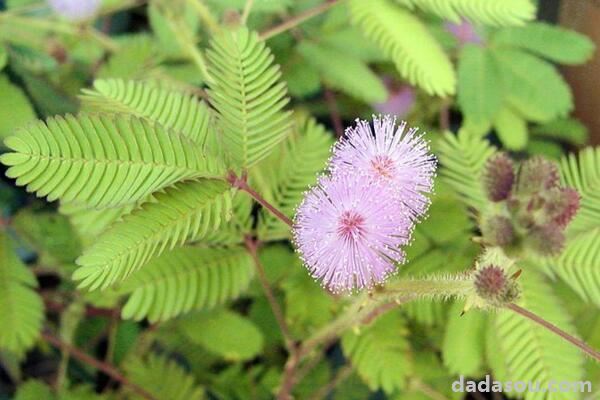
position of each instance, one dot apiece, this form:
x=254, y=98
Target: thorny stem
x=595, y=354
x=106, y=368
x=252, y=247
x=365, y=309
x=242, y=184
x=298, y=19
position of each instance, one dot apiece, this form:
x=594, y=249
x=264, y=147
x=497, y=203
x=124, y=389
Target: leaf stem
x=247, y=9
x=595, y=354
x=106, y=368
x=298, y=19
x=252, y=246
x=367, y=307
x=242, y=184
x=205, y=15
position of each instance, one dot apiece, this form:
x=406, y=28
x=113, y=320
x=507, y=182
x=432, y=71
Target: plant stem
x=205, y=15
x=298, y=19
x=342, y=374
x=242, y=184
x=247, y=9
x=334, y=112
x=555, y=329
x=106, y=368
x=252, y=247
x=367, y=308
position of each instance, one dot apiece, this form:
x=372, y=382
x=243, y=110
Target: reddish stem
x=555, y=329
x=242, y=184
x=106, y=368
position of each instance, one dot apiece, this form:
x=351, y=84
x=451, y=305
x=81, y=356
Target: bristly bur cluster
x=530, y=209
x=350, y=227
x=494, y=286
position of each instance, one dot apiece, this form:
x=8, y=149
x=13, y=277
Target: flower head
x=393, y=154
x=349, y=230
x=75, y=10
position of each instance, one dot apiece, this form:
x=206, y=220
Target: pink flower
x=397, y=156
x=75, y=10
x=349, y=230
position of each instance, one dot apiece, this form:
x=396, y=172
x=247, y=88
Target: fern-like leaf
x=102, y=160
x=497, y=13
x=248, y=95
x=181, y=112
x=344, y=72
x=394, y=29
x=163, y=378
x=185, y=211
x=582, y=172
x=304, y=156
x=579, y=265
x=21, y=308
x=530, y=353
x=380, y=353
x=186, y=279
x=540, y=97
x=462, y=158
x=549, y=41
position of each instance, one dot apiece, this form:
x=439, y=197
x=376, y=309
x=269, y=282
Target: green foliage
x=511, y=129
x=463, y=157
x=344, y=72
x=248, y=96
x=225, y=333
x=21, y=308
x=50, y=235
x=103, y=160
x=187, y=279
x=564, y=129
x=180, y=112
x=304, y=155
x=548, y=41
x=463, y=347
x=185, y=211
x=579, y=265
x=495, y=13
x=477, y=70
x=163, y=378
x=380, y=353
x=422, y=62
x=582, y=172
x=542, y=96
x=15, y=109
x=528, y=352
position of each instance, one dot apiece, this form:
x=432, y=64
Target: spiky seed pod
x=493, y=286
x=498, y=230
x=562, y=205
x=537, y=174
x=546, y=240
x=498, y=177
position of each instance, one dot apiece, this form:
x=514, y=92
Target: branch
x=595, y=354
x=106, y=368
x=252, y=247
x=342, y=374
x=242, y=184
x=368, y=307
x=298, y=19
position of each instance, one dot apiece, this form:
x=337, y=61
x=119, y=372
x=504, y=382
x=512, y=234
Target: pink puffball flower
x=75, y=10
x=349, y=230
x=393, y=154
